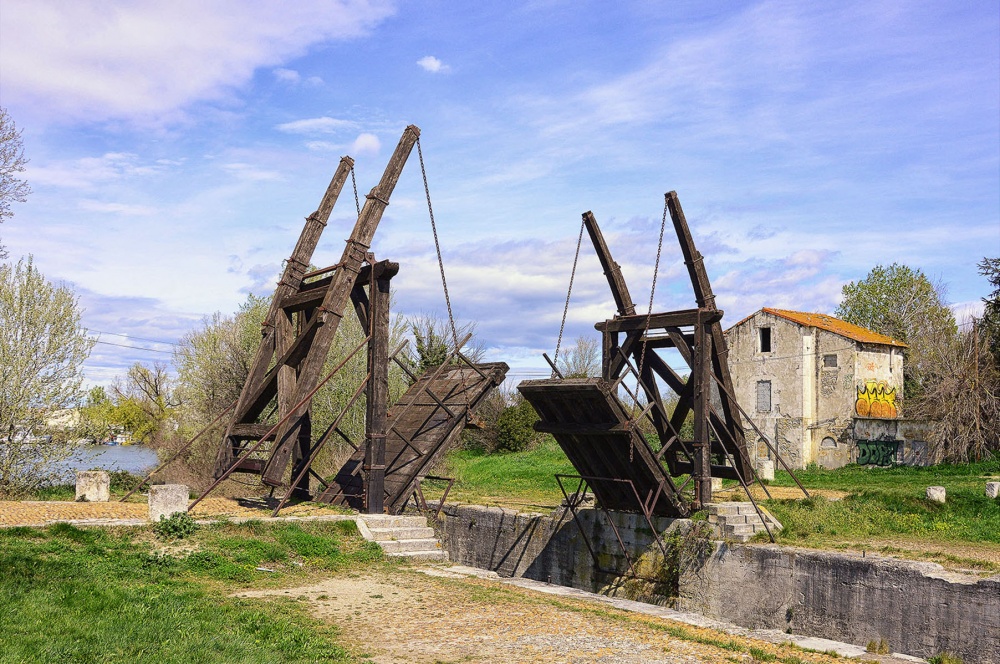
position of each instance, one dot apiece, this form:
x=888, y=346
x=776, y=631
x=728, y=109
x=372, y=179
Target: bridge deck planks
x=591, y=426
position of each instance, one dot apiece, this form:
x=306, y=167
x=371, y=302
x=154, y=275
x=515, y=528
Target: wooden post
x=378, y=394
x=702, y=397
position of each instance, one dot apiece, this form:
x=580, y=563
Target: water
x=133, y=458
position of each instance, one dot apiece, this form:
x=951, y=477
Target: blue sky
x=176, y=147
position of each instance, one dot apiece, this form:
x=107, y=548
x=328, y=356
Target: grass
x=890, y=504
x=513, y=479
x=118, y=595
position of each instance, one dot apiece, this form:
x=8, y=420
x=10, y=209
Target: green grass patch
x=890, y=504
x=110, y=595
x=517, y=479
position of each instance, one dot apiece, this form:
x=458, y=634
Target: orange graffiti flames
x=876, y=399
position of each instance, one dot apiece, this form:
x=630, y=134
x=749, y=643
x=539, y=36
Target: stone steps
x=406, y=537
x=740, y=521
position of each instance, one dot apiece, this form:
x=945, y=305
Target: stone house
x=820, y=389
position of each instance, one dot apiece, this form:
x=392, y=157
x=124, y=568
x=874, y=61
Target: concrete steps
x=406, y=537
x=740, y=521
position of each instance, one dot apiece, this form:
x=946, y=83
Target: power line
x=129, y=336
x=150, y=350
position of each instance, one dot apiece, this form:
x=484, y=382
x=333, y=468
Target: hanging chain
x=354, y=183
x=569, y=292
x=649, y=315
x=652, y=292
x=437, y=247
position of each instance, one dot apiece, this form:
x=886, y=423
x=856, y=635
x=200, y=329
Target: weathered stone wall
x=918, y=608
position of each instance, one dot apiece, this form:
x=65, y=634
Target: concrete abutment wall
x=917, y=608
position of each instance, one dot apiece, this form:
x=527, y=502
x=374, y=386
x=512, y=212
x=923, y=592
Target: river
x=133, y=458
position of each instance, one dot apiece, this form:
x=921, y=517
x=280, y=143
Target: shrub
x=176, y=526
x=515, y=427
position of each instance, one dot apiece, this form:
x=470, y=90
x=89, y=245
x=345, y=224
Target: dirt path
x=35, y=513
x=401, y=616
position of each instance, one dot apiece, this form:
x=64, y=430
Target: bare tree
x=962, y=398
x=582, y=360
x=12, y=162
x=42, y=350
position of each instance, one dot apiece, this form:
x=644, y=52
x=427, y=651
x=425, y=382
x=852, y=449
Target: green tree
x=42, y=350
x=903, y=303
x=12, y=162
x=990, y=322
x=434, y=341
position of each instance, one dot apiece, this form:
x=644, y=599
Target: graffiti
x=876, y=399
x=877, y=452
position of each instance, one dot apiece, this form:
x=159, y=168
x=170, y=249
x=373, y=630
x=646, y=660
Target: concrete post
x=93, y=486
x=166, y=499
x=936, y=494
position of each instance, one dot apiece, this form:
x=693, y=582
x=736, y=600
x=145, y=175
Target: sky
x=175, y=149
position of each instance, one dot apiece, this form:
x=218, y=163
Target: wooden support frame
x=296, y=338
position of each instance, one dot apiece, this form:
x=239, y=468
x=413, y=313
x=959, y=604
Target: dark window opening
x=765, y=339
x=829, y=361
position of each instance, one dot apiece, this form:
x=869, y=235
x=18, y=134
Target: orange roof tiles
x=835, y=325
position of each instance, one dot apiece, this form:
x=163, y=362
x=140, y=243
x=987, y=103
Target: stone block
x=992, y=489
x=93, y=486
x=936, y=494
x=166, y=499
x=716, y=484
x=765, y=469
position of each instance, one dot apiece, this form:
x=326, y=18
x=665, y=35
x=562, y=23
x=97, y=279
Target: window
x=829, y=361
x=828, y=443
x=764, y=334
x=763, y=396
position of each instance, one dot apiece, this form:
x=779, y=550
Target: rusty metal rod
x=179, y=452
x=292, y=411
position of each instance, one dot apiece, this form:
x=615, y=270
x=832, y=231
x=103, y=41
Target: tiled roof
x=835, y=325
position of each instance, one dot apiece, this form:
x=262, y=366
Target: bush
x=515, y=427
x=176, y=526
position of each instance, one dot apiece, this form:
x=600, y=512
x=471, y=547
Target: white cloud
x=366, y=143
x=251, y=173
x=116, y=208
x=98, y=60
x=286, y=75
x=323, y=125
x=433, y=65
x=90, y=171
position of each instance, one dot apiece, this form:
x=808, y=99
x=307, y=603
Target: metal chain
x=569, y=291
x=354, y=183
x=652, y=292
x=437, y=247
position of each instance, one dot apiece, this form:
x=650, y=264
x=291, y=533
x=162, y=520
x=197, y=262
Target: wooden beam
x=248, y=409
x=682, y=318
x=312, y=294
x=332, y=308
x=612, y=270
